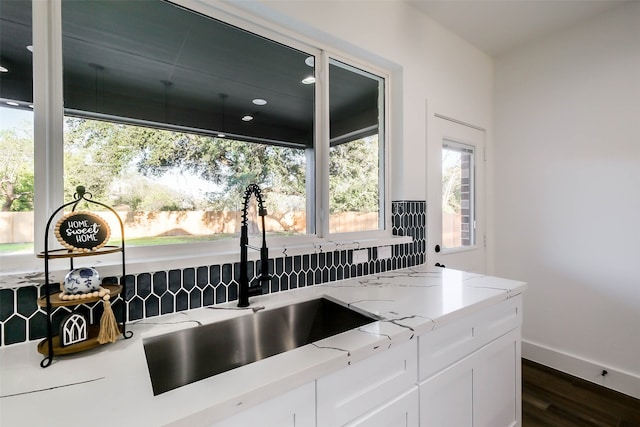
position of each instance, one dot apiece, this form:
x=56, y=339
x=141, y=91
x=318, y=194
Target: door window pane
x=458, y=217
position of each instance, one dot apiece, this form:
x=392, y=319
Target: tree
x=353, y=172
x=451, y=181
x=99, y=154
x=16, y=171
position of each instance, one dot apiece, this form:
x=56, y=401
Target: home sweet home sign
x=82, y=231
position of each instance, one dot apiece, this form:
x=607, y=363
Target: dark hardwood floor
x=555, y=399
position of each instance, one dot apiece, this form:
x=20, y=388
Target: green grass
x=15, y=248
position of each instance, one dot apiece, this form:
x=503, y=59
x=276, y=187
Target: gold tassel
x=109, y=330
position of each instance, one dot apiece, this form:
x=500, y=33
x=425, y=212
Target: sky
x=13, y=118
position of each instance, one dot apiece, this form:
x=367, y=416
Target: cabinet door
x=400, y=412
x=350, y=393
x=295, y=408
x=497, y=383
x=446, y=399
x=482, y=390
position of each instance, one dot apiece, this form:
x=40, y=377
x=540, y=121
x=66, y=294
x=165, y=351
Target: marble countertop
x=111, y=384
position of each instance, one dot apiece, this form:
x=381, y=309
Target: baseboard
x=617, y=380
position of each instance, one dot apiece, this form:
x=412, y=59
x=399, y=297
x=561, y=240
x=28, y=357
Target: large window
x=169, y=114
x=16, y=129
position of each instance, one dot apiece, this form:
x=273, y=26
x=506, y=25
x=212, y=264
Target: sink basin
x=182, y=357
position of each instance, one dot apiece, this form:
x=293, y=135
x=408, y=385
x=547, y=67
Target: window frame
x=49, y=115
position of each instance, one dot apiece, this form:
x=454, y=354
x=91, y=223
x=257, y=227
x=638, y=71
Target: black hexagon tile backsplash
x=163, y=292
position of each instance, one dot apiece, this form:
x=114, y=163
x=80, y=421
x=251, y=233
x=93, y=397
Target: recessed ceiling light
x=12, y=103
x=308, y=80
x=3, y=69
x=259, y=101
x=310, y=61
x=247, y=118
x=30, y=48
x=221, y=135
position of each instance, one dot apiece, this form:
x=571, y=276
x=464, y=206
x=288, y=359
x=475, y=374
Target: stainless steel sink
x=182, y=357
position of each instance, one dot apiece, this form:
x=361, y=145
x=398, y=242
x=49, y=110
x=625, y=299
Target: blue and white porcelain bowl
x=81, y=281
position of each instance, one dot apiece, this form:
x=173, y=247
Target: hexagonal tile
x=188, y=278
x=221, y=293
x=152, y=306
x=27, y=300
x=182, y=300
x=208, y=296
x=160, y=283
x=175, y=280
x=38, y=326
x=167, y=303
x=15, y=330
x=195, y=298
x=143, y=285
x=7, y=306
x=214, y=275
x=136, y=308
x=202, y=277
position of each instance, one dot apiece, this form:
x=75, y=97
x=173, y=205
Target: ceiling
x=154, y=63
x=499, y=26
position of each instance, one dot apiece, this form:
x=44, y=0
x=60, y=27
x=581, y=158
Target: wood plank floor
x=553, y=398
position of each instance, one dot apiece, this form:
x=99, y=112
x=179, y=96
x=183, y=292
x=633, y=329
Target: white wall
x=430, y=65
x=567, y=194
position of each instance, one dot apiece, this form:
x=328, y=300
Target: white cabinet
x=497, y=383
x=464, y=374
x=377, y=391
x=481, y=388
x=295, y=408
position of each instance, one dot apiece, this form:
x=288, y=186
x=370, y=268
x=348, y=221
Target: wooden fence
x=17, y=227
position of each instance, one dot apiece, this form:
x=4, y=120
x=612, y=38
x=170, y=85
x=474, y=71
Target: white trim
x=616, y=379
x=48, y=113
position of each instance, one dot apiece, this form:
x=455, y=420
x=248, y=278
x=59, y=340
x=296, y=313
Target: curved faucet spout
x=245, y=290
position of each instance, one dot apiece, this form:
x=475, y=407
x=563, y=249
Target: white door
x=456, y=219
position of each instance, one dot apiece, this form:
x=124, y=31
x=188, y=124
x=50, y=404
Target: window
x=356, y=172
x=170, y=113
x=458, y=216
x=16, y=129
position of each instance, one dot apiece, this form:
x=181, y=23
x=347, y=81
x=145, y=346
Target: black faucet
x=245, y=290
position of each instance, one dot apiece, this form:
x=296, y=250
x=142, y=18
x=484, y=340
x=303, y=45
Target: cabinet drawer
x=295, y=408
x=366, y=385
x=443, y=347
x=400, y=412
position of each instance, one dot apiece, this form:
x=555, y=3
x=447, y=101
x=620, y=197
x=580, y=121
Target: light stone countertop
x=110, y=385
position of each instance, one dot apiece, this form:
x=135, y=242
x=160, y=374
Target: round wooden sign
x=82, y=231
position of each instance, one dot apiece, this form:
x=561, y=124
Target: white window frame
x=48, y=151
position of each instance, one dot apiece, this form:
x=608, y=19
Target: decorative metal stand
x=53, y=345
